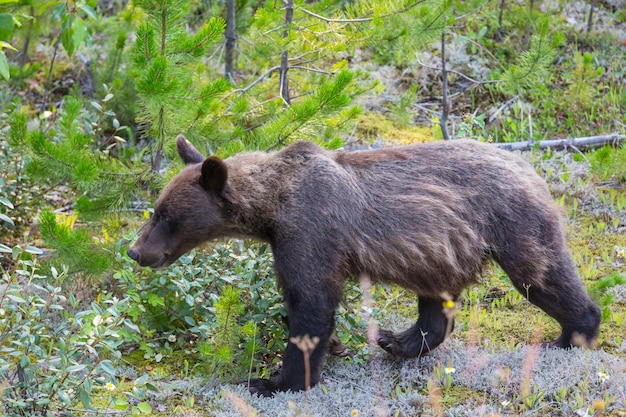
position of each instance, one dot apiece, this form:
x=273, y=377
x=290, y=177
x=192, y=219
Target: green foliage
x=534, y=65
x=600, y=292
x=72, y=15
x=20, y=197
x=76, y=151
x=56, y=356
x=74, y=247
x=212, y=300
x=232, y=341
x=7, y=25
x=304, y=119
x=394, y=30
x=609, y=163
x=472, y=127
x=115, y=72
x=223, y=305
x=171, y=97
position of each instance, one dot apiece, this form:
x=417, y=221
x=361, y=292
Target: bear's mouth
x=160, y=263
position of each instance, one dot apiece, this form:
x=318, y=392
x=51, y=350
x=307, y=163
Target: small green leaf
x=25, y=361
x=107, y=367
x=4, y=66
x=59, y=12
x=189, y=299
x=144, y=407
x=5, y=249
x=6, y=202
x=89, y=11
x=131, y=325
x=6, y=219
x=80, y=32
x=6, y=26
x=141, y=380
x=75, y=368
x=33, y=250
x=67, y=35
x=121, y=403
x=6, y=45
x=85, y=398
x=64, y=397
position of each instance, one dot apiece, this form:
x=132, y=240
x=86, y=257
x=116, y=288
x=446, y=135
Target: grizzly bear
x=426, y=217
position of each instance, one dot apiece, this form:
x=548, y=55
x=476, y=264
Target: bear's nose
x=132, y=254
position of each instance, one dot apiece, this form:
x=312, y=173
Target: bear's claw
x=261, y=387
x=387, y=340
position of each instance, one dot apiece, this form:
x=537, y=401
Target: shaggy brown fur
x=426, y=217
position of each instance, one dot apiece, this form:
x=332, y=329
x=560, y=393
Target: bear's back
x=430, y=209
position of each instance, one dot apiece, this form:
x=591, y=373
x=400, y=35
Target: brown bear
x=426, y=217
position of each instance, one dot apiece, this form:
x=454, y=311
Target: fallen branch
x=590, y=141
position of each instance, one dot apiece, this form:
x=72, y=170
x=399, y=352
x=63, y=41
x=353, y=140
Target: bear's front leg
x=292, y=376
x=311, y=323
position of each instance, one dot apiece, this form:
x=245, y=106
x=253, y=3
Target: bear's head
x=189, y=212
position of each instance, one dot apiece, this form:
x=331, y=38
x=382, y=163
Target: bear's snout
x=132, y=254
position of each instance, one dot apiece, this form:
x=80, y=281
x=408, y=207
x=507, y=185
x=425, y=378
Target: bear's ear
x=214, y=175
x=187, y=152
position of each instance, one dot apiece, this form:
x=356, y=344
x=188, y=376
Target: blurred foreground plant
x=55, y=354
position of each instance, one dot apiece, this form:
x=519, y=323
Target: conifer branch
x=253, y=83
x=329, y=20
x=243, y=91
x=319, y=71
x=359, y=19
x=163, y=29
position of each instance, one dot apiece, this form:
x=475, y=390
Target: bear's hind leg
x=562, y=295
x=425, y=335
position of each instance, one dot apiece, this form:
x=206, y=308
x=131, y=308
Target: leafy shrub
x=54, y=356
x=213, y=298
x=223, y=305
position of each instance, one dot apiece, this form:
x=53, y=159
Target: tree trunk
x=231, y=38
x=284, y=58
x=590, y=18
x=500, y=14
x=445, y=106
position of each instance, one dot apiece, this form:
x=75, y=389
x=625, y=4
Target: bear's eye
x=167, y=221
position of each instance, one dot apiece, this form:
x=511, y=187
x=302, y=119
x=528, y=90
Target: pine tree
x=166, y=54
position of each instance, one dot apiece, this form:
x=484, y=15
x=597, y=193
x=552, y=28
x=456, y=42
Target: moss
x=459, y=395
x=373, y=126
x=176, y=363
